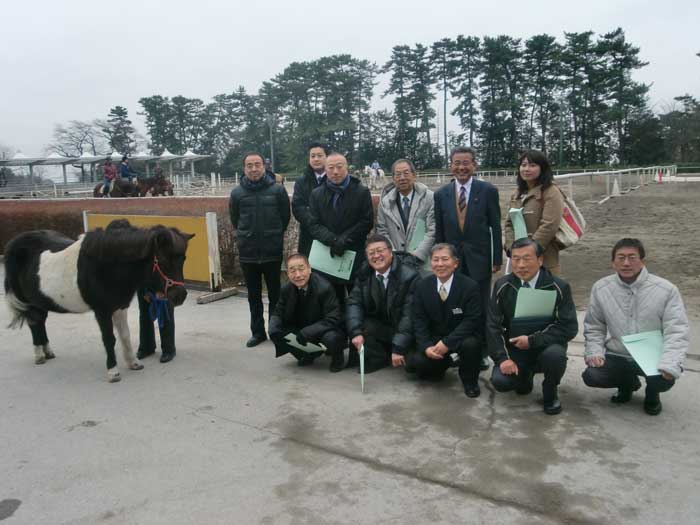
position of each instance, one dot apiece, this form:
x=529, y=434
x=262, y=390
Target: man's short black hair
x=321, y=145
x=298, y=256
x=444, y=246
x=629, y=242
x=463, y=149
x=524, y=243
x=253, y=154
x=375, y=237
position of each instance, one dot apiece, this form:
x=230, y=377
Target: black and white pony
x=46, y=271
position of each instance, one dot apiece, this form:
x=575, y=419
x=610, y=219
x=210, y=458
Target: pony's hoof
x=40, y=360
x=136, y=365
x=113, y=376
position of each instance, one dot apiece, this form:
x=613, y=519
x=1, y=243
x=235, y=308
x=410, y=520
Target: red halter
x=168, y=281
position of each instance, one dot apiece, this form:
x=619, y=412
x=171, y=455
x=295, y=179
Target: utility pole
x=271, y=122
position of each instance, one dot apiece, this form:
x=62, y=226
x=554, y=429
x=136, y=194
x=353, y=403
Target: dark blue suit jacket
x=482, y=227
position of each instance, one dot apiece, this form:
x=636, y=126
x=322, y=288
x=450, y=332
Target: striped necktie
x=462, y=199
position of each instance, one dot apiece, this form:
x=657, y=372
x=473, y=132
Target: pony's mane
x=122, y=243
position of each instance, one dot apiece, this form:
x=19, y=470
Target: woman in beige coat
x=542, y=204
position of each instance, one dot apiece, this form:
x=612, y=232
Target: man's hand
x=397, y=360
x=595, y=362
x=358, y=341
x=337, y=250
x=522, y=342
x=441, y=348
x=508, y=367
x=432, y=353
x=666, y=375
x=495, y=268
x=301, y=339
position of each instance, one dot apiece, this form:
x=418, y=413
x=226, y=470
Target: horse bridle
x=168, y=281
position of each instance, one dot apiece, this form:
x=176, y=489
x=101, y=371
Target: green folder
x=320, y=259
x=418, y=235
x=646, y=349
x=518, y=222
x=308, y=347
x=535, y=303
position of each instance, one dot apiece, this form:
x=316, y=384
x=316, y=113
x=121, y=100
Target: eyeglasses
x=465, y=163
x=376, y=251
x=631, y=258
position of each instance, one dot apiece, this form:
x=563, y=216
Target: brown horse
x=156, y=185
x=120, y=188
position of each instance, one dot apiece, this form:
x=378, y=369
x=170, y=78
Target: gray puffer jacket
x=389, y=222
x=650, y=303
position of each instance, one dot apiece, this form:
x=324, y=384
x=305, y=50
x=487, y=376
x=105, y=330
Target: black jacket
x=347, y=228
x=479, y=245
x=300, y=207
x=320, y=314
x=364, y=301
x=260, y=215
x=559, y=330
x=450, y=321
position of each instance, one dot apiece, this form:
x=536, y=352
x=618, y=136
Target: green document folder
x=320, y=259
x=535, y=303
x=308, y=347
x=646, y=348
x=418, y=235
x=518, y=222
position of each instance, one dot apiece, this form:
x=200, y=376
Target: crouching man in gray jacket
x=629, y=302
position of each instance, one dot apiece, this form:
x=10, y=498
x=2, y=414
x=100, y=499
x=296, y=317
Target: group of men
x=399, y=313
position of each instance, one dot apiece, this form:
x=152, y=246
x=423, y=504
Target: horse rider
x=125, y=171
x=109, y=172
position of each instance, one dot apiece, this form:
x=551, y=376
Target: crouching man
x=308, y=310
x=629, y=302
x=447, y=322
x=379, y=307
x=521, y=347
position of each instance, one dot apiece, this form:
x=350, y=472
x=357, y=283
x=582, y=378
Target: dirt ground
x=663, y=217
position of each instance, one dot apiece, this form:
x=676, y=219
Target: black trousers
x=333, y=340
x=619, y=372
x=147, y=334
x=551, y=361
x=469, y=360
x=253, y=274
x=378, y=347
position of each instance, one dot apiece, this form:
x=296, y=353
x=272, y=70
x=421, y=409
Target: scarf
x=338, y=190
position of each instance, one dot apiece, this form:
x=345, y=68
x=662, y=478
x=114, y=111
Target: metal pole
x=65, y=177
x=270, y=123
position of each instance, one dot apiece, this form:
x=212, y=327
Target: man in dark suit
x=447, y=322
x=379, y=307
x=313, y=177
x=521, y=347
x=468, y=216
x=308, y=309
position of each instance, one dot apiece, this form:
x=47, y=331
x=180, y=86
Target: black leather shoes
x=485, y=364
x=142, y=354
x=305, y=360
x=337, y=362
x=255, y=340
x=652, y=404
x=623, y=395
x=472, y=390
x=552, y=407
x=166, y=357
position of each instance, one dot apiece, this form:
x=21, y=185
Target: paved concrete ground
x=225, y=434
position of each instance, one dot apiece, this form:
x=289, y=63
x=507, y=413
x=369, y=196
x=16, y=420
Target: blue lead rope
x=158, y=309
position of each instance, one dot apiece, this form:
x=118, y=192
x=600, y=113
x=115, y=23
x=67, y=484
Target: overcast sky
x=64, y=60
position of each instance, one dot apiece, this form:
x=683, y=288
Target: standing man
x=468, y=216
x=447, y=322
x=259, y=211
x=308, y=309
x=406, y=211
x=521, y=347
x=629, y=302
x=379, y=307
x=341, y=216
x=313, y=177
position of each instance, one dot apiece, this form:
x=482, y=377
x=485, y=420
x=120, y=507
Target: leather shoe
x=552, y=407
x=472, y=390
x=337, y=362
x=652, y=404
x=142, y=354
x=623, y=395
x=305, y=360
x=255, y=340
x=167, y=356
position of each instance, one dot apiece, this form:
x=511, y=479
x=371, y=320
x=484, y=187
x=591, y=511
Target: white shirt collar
x=532, y=282
x=319, y=177
x=447, y=284
x=467, y=185
x=384, y=275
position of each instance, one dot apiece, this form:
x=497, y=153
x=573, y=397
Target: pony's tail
x=15, y=259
